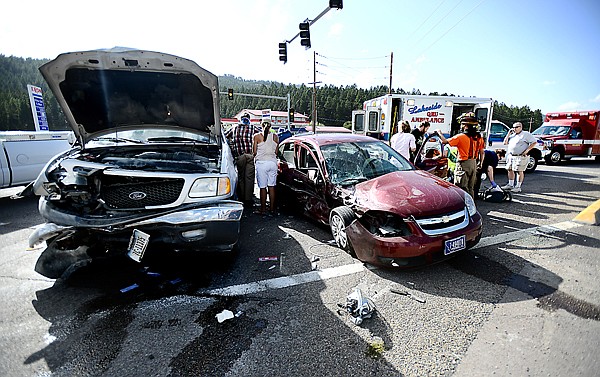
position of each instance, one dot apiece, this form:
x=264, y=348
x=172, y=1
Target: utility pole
x=314, y=114
x=391, y=64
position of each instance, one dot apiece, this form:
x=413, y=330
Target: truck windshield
x=552, y=130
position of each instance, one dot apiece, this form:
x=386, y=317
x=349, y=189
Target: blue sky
x=539, y=53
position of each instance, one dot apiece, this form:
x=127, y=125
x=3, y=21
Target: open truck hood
x=104, y=91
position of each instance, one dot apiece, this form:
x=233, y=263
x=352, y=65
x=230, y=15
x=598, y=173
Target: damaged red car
x=379, y=207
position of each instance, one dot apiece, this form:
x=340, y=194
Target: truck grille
x=140, y=192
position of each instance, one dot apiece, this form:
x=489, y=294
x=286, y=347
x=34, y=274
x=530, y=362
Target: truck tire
x=554, y=157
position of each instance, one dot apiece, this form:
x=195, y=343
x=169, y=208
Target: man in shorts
x=519, y=144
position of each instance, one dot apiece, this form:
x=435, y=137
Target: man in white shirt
x=519, y=144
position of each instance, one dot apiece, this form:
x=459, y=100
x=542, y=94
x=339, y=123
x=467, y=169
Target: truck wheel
x=554, y=157
x=531, y=164
x=339, y=219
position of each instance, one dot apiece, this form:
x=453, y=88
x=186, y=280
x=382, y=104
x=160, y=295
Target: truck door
x=358, y=122
x=373, y=116
x=575, y=145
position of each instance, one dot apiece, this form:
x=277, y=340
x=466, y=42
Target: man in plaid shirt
x=240, y=138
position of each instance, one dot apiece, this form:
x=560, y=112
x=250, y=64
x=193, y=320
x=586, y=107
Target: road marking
x=587, y=180
x=333, y=272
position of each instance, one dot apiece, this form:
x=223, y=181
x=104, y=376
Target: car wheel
x=339, y=219
x=531, y=164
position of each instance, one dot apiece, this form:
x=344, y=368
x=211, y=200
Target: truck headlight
x=210, y=186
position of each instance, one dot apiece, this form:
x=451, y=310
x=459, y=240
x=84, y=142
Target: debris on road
x=406, y=293
x=358, y=306
x=130, y=288
x=225, y=315
x=265, y=259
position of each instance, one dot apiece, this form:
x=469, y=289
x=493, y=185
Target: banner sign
x=37, y=108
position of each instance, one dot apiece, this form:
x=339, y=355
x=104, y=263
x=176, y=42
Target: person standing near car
x=404, y=142
x=470, y=148
x=419, y=134
x=264, y=147
x=519, y=144
x=241, y=138
x=487, y=166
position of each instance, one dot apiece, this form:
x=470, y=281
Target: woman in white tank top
x=264, y=147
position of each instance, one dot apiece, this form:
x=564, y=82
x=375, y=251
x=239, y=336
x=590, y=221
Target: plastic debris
x=313, y=262
x=272, y=267
x=287, y=236
x=130, y=288
x=408, y=294
x=359, y=306
x=224, y=315
x=265, y=259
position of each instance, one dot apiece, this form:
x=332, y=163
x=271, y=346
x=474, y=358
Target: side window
x=286, y=154
x=306, y=159
x=576, y=133
x=359, y=122
x=373, y=121
x=498, y=130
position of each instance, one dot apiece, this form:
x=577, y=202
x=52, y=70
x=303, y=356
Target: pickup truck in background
x=23, y=154
x=495, y=141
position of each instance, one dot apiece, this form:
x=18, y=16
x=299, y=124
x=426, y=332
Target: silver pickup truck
x=23, y=154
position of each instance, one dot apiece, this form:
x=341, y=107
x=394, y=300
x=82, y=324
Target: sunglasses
x=514, y=128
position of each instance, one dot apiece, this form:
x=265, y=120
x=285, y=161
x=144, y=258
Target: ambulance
x=381, y=116
x=570, y=134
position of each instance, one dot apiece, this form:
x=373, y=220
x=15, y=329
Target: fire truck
x=381, y=116
x=570, y=134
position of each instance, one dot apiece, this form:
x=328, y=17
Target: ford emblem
x=137, y=195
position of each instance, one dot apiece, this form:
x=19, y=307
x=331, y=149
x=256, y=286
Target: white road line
x=329, y=273
x=573, y=178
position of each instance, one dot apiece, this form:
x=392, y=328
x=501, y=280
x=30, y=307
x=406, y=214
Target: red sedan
x=379, y=207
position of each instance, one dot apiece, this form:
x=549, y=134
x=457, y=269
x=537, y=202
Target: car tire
x=531, y=164
x=339, y=219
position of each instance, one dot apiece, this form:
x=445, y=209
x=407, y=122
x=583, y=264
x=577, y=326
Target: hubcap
x=339, y=231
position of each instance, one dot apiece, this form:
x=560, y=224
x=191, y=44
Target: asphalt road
x=525, y=301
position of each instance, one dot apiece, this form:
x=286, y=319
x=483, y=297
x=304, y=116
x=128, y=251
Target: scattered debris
x=224, y=315
x=410, y=295
x=313, y=262
x=281, y=263
x=272, y=267
x=359, y=306
x=130, y=288
x=265, y=259
x=287, y=236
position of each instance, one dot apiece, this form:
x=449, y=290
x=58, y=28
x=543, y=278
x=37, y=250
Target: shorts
x=266, y=173
x=517, y=163
x=490, y=159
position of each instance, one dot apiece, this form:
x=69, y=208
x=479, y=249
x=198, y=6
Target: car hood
x=410, y=193
x=104, y=91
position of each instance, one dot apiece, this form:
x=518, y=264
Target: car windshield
x=148, y=135
x=552, y=130
x=350, y=163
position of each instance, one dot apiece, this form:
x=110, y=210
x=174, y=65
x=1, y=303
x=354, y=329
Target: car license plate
x=454, y=245
x=137, y=245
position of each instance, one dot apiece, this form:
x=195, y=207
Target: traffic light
x=291, y=114
x=230, y=94
x=305, y=34
x=283, y=52
x=338, y=4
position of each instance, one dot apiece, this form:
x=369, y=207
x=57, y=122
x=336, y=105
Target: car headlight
x=210, y=186
x=470, y=203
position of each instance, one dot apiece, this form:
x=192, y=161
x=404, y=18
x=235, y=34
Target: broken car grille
x=444, y=224
x=139, y=192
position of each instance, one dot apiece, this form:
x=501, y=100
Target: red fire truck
x=570, y=134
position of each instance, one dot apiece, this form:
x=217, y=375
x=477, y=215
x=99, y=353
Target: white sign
x=37, y=108
x=266, y=115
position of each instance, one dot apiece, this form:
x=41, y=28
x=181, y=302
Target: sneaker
x=515, y=189
x=508, y=187
x=496, y=189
